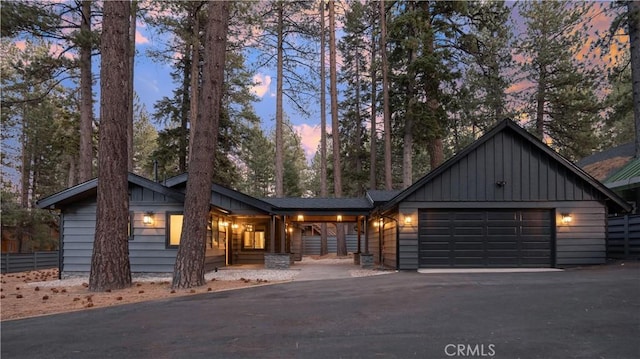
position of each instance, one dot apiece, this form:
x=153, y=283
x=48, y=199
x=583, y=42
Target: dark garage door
x=485, y=238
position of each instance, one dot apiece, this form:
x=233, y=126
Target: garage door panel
x=485, y=238
x=502, y=231
x=536, y=216
x=540, y=231
x=502, y=216
x=468, y=216
x=435, y=246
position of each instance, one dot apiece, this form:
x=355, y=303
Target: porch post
x=283, y=235
x=359, y=228
x=272, y=235
x=366, y=234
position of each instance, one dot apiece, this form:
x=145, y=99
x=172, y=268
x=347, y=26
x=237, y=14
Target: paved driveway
x=586, y=313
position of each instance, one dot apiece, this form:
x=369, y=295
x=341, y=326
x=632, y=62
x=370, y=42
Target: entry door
x=485, y=238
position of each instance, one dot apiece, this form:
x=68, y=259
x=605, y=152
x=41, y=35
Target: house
x=617, y=169
x=507, y=200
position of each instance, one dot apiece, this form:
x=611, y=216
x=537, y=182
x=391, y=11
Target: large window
x=253, y=238
x=174, y=228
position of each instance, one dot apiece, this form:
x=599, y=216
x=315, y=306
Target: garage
x=485, y=238
x=507, y=200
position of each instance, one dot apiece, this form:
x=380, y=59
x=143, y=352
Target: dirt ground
x=22, y=297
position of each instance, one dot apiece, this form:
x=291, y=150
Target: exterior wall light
x=300, y=218
x=339, y=218
x=566, y=218
x=407, y=220
x=224, y=224
x=147, y=219
x=234, y=226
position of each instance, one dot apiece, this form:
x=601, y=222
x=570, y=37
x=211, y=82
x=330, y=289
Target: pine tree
x=189, y=266
x=110, y=267
x=566, y=106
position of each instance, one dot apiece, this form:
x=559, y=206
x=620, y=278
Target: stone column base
x=366, y=260
x=277, y=260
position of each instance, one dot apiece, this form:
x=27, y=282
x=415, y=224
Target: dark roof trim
x=241, y=197
x=315, y=205
x=507, y=124
x=82, y=189
x=231, y=193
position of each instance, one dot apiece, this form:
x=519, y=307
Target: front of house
x=507, y=200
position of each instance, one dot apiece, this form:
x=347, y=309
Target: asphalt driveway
x=581, y=313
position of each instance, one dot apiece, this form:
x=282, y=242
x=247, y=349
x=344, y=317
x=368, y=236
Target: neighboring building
x=501, y=202
x=617, y=169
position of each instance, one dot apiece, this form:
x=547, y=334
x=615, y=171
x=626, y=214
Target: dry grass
x=22, y=297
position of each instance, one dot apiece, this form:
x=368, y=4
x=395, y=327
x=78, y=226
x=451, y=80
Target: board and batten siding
x=582, y=242
x=147, y=244
x=528, y=174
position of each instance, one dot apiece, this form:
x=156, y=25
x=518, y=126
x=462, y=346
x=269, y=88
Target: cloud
x=262, y=83
x=310, y=138
x=141, y=39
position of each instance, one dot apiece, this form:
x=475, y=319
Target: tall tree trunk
x=86, y=97
x=71, y=180
x=335, y=129
x=189, y=268
x=358, y=123
x=388, y=175
x=26, y=152
x=436, y=152
x=634, y=40
x=373, y=182
x=540, y=102
x=407, y=149
x=110, y=261
x=195, y=71
x=132, y=58
x=324, y=246
x=185, y=142
x=279, y=113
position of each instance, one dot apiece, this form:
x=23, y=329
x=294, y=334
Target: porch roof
x=320, y=206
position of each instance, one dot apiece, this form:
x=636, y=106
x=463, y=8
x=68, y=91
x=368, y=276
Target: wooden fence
x=20, y=262
x=623, y=237
x=311, y=244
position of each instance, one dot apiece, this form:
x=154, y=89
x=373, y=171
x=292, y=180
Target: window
x=174, y=228
x=253, y=239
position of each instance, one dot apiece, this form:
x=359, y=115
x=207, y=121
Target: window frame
x=168, y=244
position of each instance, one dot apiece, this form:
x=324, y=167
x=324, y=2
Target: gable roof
x=508, y=125
x=89, y=189
x=181, y=180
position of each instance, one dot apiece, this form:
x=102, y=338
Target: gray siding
x=582, y=242
x=528, y=173
x=147, y=246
